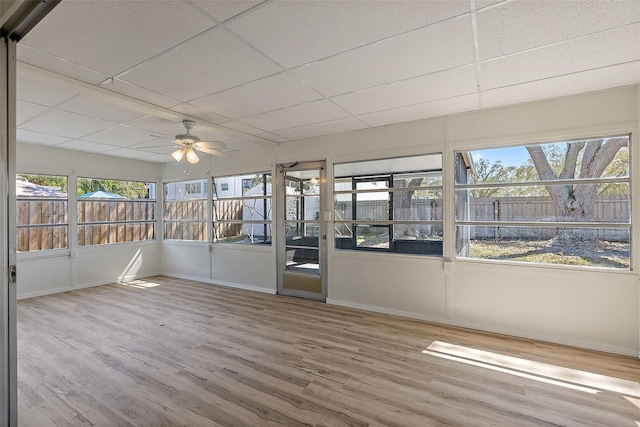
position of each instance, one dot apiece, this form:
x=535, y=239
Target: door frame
x=17, y=18
x=8, y=329
x=281, y=240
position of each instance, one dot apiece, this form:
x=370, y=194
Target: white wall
x=45, y=272
x=243, y=266
x=592, y=308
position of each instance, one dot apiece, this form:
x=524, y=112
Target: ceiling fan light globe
x=192, y=157
x=178, y=154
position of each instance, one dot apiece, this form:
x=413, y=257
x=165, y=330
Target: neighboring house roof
x=25, y=188
x=101, y=195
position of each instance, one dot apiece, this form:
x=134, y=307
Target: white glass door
x=302, y=231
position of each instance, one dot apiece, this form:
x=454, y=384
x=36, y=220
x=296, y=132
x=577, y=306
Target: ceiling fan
x=187, y=144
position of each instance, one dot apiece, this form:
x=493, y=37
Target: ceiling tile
x=113, y=36
x=441, y=85
x=429, y=109
x=223, y=10
x=140, y=93
x=199, y=113
x=127, y=152
x=38, y=138
x=326, y=128
x=62, y=123
x=521, y=25
x=598, y=50
x=159, y=126
x=209, y=63
x=158, y=158
x=157, y=146
x=88, y=105
x=239, y=144
x=28, y=110
x=42, y=92
x=315, y=30
x=120, y=136
x=241, y=127
x=299, y=115
x=481, y=4
x=601, y=78
x=272, y=137
x=58, y=65
x=80, y=145
x=437, y=47
x=270, y=93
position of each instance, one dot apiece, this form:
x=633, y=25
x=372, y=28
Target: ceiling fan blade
x=214, y=145
x=158, y=146
x=211, y=151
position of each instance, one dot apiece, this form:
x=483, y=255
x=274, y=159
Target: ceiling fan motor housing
x=187, y=138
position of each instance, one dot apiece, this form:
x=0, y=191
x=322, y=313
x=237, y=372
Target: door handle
x=324, y=237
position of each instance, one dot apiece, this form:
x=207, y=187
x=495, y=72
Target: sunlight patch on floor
x=140, y=284
x=552, y=374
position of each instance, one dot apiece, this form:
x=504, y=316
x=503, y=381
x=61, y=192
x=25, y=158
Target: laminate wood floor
x=169, y=352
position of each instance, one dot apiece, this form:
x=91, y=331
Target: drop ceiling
x=113, y=76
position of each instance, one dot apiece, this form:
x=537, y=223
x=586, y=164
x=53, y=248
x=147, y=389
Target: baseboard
x=84, y=286
x=44, y=292
x=486, y=328
x=223, y=283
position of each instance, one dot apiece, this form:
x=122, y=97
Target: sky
x=511, y=156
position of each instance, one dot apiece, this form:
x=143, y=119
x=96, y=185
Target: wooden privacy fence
x=227, y=210
x=115, y=221
x=42, y=224
x=378, y=210
x=185, y=219
x=612, y=209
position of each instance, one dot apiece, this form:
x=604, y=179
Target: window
x=224, y=186
x=41, y=215
x=194, y=189
x=113, y=211
x=389, y=205
x=565, y=202
x=185, y=210
x=243, y=214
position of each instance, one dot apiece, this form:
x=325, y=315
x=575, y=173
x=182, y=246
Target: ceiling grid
x=265, y=72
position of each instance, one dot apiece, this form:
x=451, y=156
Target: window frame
x=65, y=224
x=108, y=223
x=566, y=225
x=205, y=210
x=389, y=223
x=267, y=206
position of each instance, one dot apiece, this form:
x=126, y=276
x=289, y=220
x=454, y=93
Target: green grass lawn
x=598, y=253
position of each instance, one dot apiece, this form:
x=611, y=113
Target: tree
x=402, y=207
x=486, y=171
x=48, y=181
x=128, y=189
x=581, y=160
x=402, y=202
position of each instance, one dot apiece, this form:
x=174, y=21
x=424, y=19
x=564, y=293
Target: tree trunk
x=402, y=209
x=576, y=202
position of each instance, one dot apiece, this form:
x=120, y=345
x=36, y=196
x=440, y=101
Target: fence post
x=496, y=217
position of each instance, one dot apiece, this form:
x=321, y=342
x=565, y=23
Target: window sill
x=115, y=246
x=561, y=267
x=43, y=254
x=257, y=247
x=395, y=256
